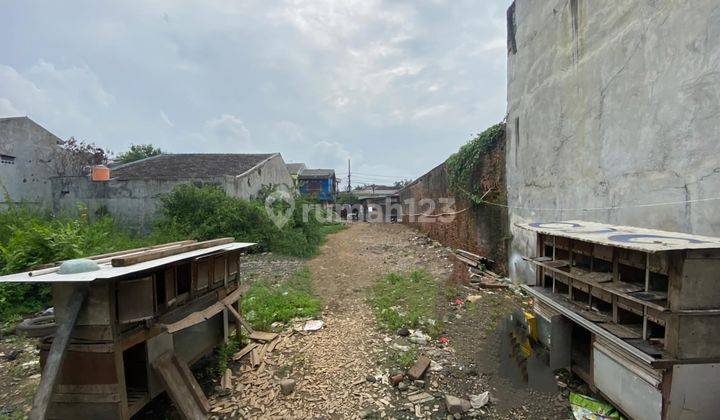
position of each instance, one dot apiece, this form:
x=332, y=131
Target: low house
x=318, y=183
x=375, y=191
x=295, y=169
x=132, y=194
x=29, y=158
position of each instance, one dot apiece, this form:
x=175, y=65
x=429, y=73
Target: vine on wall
x=463, y=165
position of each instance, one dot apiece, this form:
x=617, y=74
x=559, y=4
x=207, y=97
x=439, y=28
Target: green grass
x=405, y=300
x=266, y=303
x=333, y=227
x=399, y=359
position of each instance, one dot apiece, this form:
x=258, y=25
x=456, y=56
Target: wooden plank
x=181, y=386
x=56, y=356
x=418, y=369
x=101, y=258
x=207, y=313
x=621, y=331
x=245, y=350
x=262, y=336
x=162, y=253
x=239, y=319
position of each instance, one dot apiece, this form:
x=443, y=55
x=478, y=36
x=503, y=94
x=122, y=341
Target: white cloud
x=166, y=120
x=64, y=99
x=224, y=134
x=7, y=109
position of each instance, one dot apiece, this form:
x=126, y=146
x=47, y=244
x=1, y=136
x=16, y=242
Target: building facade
x=29, y=157
x=319, y=184
x=612, y=106
x=133, y=193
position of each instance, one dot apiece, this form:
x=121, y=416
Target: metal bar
x=56, y=356
x=553, y=260
x=578, y=319
x=647, y=288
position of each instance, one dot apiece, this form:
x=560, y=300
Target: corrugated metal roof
x=639, y=239
x=295, y=168
x=316, y=173
x=189, y=166
x=107, y=271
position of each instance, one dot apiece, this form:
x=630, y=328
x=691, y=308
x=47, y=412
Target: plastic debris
x=588, y=408
x=313, y=325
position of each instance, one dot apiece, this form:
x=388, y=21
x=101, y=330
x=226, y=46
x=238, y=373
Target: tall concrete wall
x=134, y=202
x=26, y=178
x=480, y=229
x=613, y=103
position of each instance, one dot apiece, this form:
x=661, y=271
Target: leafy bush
x=265, y=303
x=206, y=212
x=463, y=164
x=29, y=237
x=405, y=301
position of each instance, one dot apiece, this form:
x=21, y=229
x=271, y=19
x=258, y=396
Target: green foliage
x=139, y=151
x=463, y=164
x=347, y=198
x=205, y=212
x=29, y=237
x=265, y=303
x=405, y=301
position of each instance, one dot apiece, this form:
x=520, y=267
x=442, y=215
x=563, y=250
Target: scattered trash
x=473, y=298
x=287, y=386
x=420, y=397
x=443, y=340
x=396, y=379
x=418, y=337
x=313, y=325
x=455, y=405
x=226, y=380
x=10, y=356
x=588, y=408
x=419, y=368
x=403, y=332
x=400, y=347
x=458, y=301
x=435, y=366
x=481, y=400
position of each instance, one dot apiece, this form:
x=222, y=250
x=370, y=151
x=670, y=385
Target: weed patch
x=266, y=303
x=405, y=300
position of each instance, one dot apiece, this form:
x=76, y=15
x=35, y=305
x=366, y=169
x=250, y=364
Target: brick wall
x=481, y=229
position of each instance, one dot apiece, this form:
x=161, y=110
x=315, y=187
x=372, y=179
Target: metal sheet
x=107, y=271
x=638, y=239
x=636, y=397
x=694, y=392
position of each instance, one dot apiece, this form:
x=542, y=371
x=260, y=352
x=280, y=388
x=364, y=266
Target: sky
x=396, y=86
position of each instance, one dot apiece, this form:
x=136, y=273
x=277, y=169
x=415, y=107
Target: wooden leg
x=56, y=356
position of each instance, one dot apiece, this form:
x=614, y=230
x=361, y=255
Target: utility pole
x=348, y=187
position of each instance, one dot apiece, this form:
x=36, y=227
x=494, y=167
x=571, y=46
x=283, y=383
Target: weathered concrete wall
x=134, y=202
x=27, y=177
x=272, y=172
x=481, y=229
x=613, y=104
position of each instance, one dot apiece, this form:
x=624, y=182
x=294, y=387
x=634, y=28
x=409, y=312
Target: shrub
x=205, y=212
x=463, y=164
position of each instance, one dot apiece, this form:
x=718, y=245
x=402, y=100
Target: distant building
x=318, y=183
x=29, y=157
x=133, y=192
x=295, y=169
x=373, y=191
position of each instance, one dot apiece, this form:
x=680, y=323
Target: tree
x=139, y=151
x=76, y=155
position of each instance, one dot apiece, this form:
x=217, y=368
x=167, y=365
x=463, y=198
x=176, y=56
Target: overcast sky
x=396, y=86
